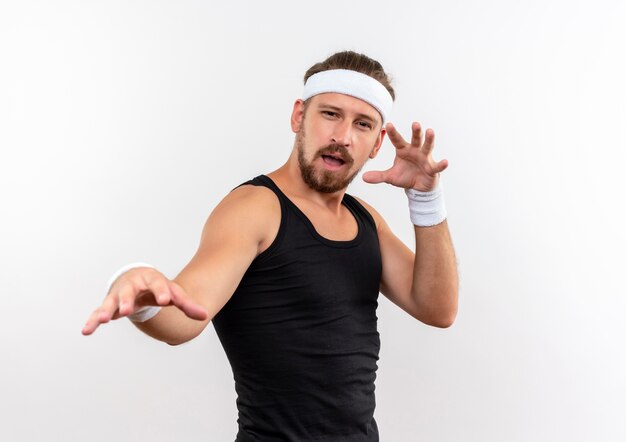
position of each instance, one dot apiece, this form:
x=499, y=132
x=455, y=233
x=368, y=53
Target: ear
x=296, y=115
x=379, y=142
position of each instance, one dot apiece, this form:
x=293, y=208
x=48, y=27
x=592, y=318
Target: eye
x=329, y=113
x=364, y=124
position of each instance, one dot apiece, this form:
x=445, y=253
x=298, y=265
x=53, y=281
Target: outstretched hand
x=140, y=287
x=413, y=166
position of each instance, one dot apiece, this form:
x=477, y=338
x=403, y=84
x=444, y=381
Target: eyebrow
x=338, y=109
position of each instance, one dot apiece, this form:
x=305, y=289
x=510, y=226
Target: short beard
x=325, y=181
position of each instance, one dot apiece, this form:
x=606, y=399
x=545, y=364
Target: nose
x=342, y=133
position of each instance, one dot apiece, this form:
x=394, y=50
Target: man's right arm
x=243, y=225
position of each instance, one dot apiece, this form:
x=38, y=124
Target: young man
x=289, y=266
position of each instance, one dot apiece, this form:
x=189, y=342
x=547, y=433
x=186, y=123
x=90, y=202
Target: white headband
x=355, y=84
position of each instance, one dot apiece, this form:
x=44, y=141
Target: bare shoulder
x=251, y=212
x=251, y=198
x=238, y=229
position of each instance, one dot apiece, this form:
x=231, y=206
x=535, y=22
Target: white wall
x=122, y=123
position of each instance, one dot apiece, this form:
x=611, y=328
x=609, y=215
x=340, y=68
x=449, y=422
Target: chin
x=326, y=182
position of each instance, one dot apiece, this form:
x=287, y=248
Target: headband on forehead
x=355, y=84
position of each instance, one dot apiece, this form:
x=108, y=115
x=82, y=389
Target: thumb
x=375, y=176
x=191, y=308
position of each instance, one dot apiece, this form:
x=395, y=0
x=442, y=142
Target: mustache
x=336, y=148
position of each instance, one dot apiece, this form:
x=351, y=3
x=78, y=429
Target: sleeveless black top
x=300, y=332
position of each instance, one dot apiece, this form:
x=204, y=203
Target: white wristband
x=125, y=269
x=144, y=313
x=427, y=208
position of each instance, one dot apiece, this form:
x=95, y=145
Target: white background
x=123, y=123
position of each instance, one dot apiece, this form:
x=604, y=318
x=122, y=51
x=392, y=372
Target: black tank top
x=300, y=332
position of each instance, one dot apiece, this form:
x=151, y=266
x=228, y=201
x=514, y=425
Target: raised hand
x=413, y=166
x=140, y=287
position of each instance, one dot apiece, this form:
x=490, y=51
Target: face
x=335, y=135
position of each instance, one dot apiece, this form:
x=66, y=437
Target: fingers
x=427, y=148
x=92, y=323
x=125, y=293
x=395, y=137
x=136, y=288
x=374, y=176
x=186, y=304
x=101, y=315
x=440, y=166
x=416, y=138
x=159, y=286
x=429, y=142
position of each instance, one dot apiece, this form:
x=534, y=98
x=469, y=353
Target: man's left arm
x=424, y=283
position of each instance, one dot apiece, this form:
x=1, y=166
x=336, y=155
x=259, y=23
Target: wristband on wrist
x=144, y=313
x=427, y=208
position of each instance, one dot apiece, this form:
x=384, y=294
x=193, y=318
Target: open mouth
x=333, y=161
